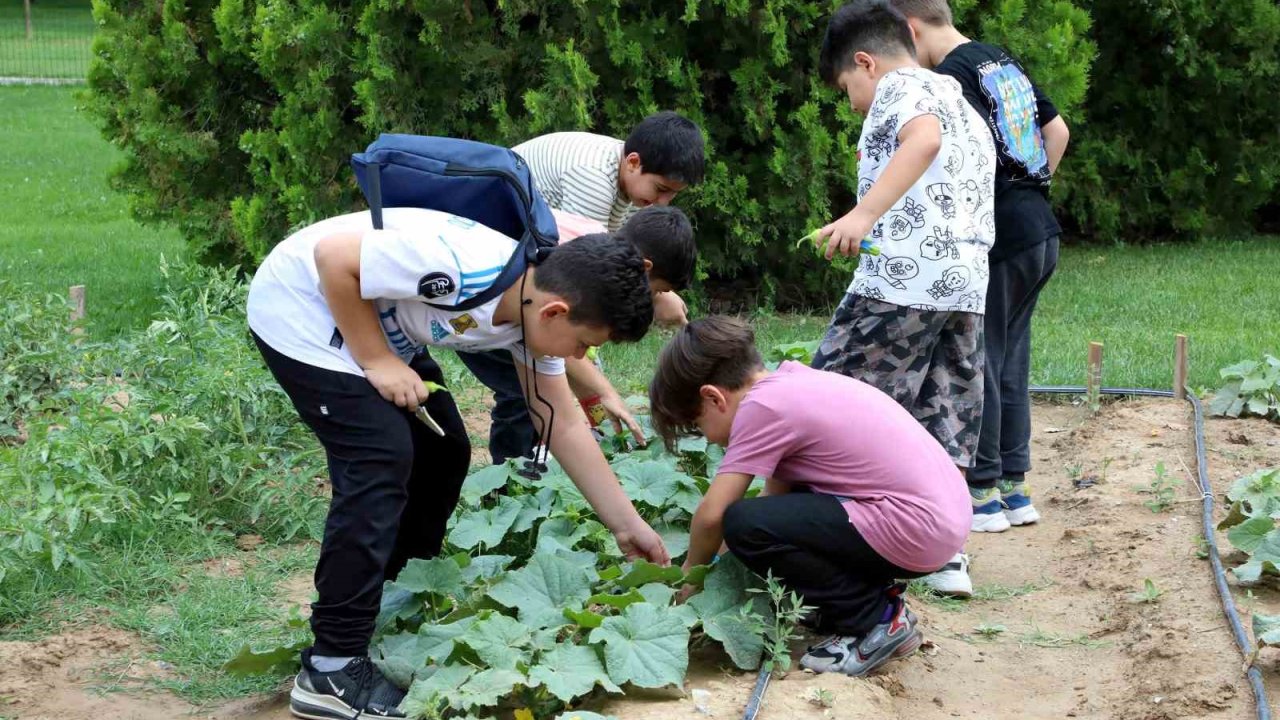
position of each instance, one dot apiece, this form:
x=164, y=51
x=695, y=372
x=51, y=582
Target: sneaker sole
x=952, y=584
x=903, y=649
x=993, y=523
x=1025, y=515
x=315, y=706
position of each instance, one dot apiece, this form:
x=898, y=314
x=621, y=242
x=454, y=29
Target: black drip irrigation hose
x=1219, y=574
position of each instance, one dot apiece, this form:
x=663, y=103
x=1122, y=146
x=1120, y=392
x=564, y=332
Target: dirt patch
x=1075, y=642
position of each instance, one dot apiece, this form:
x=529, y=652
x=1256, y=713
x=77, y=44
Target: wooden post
x=1094, y=377
x=26, y=10
x=1180, y=367
x=77, y=308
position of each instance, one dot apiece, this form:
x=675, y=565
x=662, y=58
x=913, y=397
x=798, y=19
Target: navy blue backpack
x=485, y=183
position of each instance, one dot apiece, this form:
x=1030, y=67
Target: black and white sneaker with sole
x=358, y=691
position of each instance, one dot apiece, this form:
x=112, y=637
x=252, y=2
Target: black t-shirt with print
x=1015, y=110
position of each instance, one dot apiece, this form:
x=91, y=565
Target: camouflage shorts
x=929, y=361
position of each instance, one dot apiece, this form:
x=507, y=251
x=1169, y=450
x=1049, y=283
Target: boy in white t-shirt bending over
x=342, y=314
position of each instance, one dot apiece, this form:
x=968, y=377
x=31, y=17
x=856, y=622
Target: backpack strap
x=374, y=195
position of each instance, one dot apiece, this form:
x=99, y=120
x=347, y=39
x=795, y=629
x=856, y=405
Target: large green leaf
x=439, y=575
x=397, y=603
x=485, y=567
x=485, y=527
x=725, y=588
x=1248, y=535
x=652, y=482
x=401, y=657
x=742, y=636
x=499, y=641
x=647, y=646
x=534, y=508
x=643, y=572
x=564, y=534
x=487, y=687
x=1259, y=492
x=429, y=692
x=1266, y=629
x=542, y=590
x=438, y=641
x=569, y=671
x=484, y=481
x=676, y=538
x=275, y=661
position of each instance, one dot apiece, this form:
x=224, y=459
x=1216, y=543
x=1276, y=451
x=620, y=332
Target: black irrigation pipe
x=1206, y=495
x=1219, y=575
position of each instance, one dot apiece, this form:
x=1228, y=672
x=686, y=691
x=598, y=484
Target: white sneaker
x=953, y=579
x=988, y=512
x=996, y=522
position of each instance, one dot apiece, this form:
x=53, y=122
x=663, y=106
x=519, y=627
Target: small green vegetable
x=815, y=237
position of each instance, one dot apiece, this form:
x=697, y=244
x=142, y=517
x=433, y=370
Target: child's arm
x=669, y=310
x=572, y=444
x=1056, y=136
x=706, y=531
x=919, y=142
x=586, y=380
x=338, y=263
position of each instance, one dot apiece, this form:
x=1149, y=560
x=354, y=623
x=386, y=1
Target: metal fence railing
x=45, y=40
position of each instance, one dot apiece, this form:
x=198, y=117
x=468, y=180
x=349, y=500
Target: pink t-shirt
x=839, y=436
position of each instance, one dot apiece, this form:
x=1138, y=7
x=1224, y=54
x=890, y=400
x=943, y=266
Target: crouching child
x=858, y=496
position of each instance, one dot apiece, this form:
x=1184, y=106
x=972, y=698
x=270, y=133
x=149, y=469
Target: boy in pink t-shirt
x=857, y=496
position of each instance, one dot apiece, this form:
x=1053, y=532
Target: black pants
x=395, y=484
x=1004, y=445
x=808, y=543
x=511, y=432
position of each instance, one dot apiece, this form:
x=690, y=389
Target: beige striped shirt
x=577, y=172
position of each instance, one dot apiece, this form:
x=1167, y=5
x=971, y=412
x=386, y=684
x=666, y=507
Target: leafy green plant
x=1252, y=388
x=788, y=610
x=1149, y=593
x=989, y=631
x=1250, y=523
x=34, y=359
x=1162, y=489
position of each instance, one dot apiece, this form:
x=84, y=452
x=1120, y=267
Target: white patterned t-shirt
x=934, y=241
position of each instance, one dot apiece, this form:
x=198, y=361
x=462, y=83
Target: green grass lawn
x=60, y=45
x=60, y=224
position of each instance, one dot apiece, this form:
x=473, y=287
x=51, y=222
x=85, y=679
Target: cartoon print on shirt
x=943, y=195
x=955, y=160
x=905, y=218
x=864, y=187
x=975, y=151
x=970, y=197
x=941, y=244
x=896, y=269
x=864, y=288
x=971, y=302
x=891, y=94
x=923, y=306
x=882, y=141
x=952, y=281
x=982, y=266
x=929, y=106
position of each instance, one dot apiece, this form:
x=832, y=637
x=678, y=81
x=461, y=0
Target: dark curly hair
x=602, y=278
x=715, y=350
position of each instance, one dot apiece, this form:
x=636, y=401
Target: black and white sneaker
x=358, y=691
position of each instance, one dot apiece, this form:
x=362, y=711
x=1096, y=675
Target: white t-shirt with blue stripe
x=420, y=256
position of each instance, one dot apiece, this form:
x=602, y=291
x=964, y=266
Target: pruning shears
x=421, y=411
x=815, y=237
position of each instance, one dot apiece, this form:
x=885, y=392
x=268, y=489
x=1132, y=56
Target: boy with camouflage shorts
x=911, y=321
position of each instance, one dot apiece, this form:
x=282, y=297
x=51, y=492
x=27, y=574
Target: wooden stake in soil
x=26, y=10
x=1180, y=367
x=77, y=308
x=1094, y=377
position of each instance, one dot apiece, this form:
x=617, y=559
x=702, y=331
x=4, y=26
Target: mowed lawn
x=60, y=44
x=62, y=225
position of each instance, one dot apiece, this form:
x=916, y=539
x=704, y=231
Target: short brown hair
x=933, y=12
x=716, y=350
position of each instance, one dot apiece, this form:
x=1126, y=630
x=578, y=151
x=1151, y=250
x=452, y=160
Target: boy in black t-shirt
x=1030, y=138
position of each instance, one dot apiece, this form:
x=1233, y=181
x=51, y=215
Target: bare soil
x=1075, y=642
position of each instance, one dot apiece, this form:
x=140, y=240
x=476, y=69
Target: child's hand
x=641, y=541
x=621, y=415
x=396, y=382
x=686, y=591
x=846, y=234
